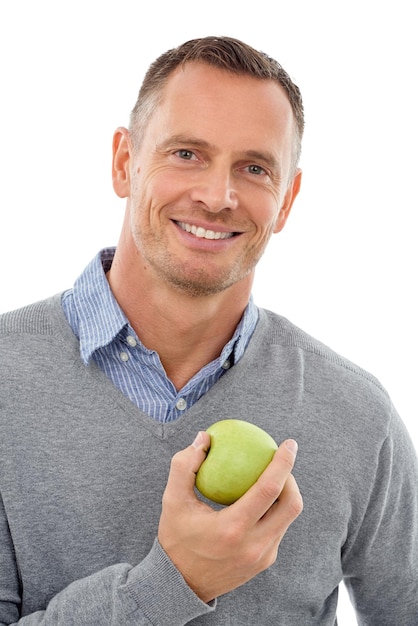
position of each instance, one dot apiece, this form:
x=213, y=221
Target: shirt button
x=124, y=356
x=131, y=341
x=226, y=365
x=181, y=404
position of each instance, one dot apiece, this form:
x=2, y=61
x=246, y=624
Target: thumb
x=185, y=464
x=202, y=441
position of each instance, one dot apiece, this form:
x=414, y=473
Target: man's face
x=210, y=177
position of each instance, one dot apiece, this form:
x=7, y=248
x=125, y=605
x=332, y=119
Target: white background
x=345, y=266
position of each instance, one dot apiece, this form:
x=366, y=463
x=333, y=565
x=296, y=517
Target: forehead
x=217, y=101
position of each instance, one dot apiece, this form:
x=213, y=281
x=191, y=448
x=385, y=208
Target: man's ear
x=291, y=193
x=121, y=149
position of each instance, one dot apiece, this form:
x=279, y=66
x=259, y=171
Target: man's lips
x=203, y=233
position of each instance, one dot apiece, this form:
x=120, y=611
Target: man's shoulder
x=35, y=339
x=281, y=332
x=38, y=318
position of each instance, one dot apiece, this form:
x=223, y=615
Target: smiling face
x=210, y=180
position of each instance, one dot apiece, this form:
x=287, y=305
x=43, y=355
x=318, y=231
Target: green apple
x=239, y=452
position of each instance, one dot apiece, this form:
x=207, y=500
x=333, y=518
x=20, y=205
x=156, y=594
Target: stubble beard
x=188, y=278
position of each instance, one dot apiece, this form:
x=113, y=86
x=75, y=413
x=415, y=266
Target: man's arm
x=380, y=561
x=113, y=596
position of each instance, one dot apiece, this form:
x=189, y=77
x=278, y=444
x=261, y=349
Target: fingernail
x=292, y=446
x=198, y=440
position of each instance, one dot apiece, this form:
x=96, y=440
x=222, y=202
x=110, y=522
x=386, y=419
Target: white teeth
x=203, y=233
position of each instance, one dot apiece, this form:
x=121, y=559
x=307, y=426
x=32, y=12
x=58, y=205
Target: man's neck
x=187, y=332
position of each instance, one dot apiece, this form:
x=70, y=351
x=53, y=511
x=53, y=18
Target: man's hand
x=217, y=551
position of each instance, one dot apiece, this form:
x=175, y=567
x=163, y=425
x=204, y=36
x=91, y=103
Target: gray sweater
x=82, y=472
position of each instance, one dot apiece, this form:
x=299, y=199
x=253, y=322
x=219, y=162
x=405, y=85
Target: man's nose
x=215, y=189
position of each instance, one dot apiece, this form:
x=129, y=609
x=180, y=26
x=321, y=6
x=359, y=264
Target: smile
x=202, y=233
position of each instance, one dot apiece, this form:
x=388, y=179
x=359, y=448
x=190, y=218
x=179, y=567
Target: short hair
x=226, y=53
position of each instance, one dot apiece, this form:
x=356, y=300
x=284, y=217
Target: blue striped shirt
x=106, y=337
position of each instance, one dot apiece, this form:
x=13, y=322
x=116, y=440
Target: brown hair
x=225, y=53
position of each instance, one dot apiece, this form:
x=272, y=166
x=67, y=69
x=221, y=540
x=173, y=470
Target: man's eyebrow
x=267, y=157
x=176, y=140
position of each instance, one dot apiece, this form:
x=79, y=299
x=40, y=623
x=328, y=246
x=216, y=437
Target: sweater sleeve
x=381, y=562
x=151, y=593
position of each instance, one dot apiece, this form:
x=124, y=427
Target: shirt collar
x=238, y=342
x=100, y=318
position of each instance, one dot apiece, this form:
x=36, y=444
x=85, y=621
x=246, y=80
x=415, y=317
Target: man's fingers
x=270, y=485
x=286, y=509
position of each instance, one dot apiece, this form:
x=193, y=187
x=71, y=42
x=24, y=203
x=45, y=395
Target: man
x=105, y=386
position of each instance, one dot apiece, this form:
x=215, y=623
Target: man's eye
x=256, y=169
x=187, y=155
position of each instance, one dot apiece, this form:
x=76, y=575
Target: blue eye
x=188, y=155
x=256, y=169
